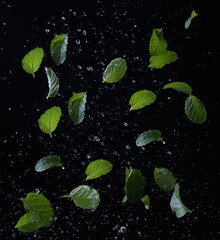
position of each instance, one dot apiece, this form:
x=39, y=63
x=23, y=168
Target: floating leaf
x=31, y=61
x=48, y=162
x=148, y=137
x=98, y=168
x=76, y=107
x=195, y=110
x=39, y=208
x=49, y=120
x=146, y=201
x=141, y=99
x=85, y=197
x=188, y=21
x=158, y=44
x=164, y=178
x=53, y=82
x=176, y=204
x=58, y=48
x=162, y=59
x=115, y=71
x=27, y=224
x=179, y=86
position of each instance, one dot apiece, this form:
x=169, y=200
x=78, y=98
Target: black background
x=100, y=31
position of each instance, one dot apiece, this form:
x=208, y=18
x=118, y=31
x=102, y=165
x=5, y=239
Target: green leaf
x=85, y=197
x=53, y=82
x=158, y=44
x=76, y=107
x=48, y=162
x=195, y=110
x=58, y=48
x=148, y=137
x=179, y=86
x=176, y=204
x=135, y=185
x=98, y=168
x=27, y=224
x=146, y=201
x=31, y=61
x=188, y=21
x=162, y=59
x=49, y=120
x=164, y=178
x=115, y=71
x=39, y=208
x=141, y=99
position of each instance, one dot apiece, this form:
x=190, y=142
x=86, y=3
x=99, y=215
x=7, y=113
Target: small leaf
x=48, y=162
x=195, y=110
x=85, y=197
x=31, y=61
x=115, y=71
x=188, y=21
x=146, y=201
x=164, y=179
x=53, y=82
x=49, y=120
x=176, y=204
x=162, y=59
x=58, y=48
x=141, y=99
x=148, y=137
x=135, y=185
x=98, y=168
x=39, y=208
x=158, y=44
x=179, y=86
x=27, y=224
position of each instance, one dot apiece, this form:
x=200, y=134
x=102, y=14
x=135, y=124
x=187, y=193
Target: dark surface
x=109, y=129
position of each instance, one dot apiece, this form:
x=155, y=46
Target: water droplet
x=77, y=41
x=122, y=229
x=84, y=32
x=47, y=30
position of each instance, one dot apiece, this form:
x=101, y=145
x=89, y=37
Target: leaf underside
x=53, y=82
x=48, y=162
x=148, y=137
x=179, y=86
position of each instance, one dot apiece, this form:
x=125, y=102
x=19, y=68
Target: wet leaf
x=188, y=21
x=146, y=201
x=48, y=162
x=148, y=137
x=179, y=86
x=53, y=82
x=27, y=224
x=161, y=60
x=158, y=44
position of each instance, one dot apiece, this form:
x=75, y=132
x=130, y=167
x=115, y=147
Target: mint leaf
x=115, y=71
x=76, y=107
x=179, y=86
x=195, y=110
x=146, y=201
x=49, y=120
x=135, y=185
x=31, y=61
x=27, y=224
x=158, y=44
x=176, y=204
x=58, y=48
x=162, y=59
x=53, y=82
x=188, y=21
x=39, y=208
x=48, y=162
x=98, y=168
x=164, y=178
x=85, y=197
x=141, y=99
x=148, y=137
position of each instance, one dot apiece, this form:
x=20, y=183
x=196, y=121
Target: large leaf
x=48, y=162
x=148, y=137
x=179, y=86
x=176, y=204
x=53, y=82
x=158, y=44
x=58, y=48
x=49, y=120
x=31, y=61
x=141, y=99
x=195, y=110
x=98, y=168
x=135, y=185
x=27, y=224
x=39, y=208
x=85, y=197
x=188, y=21
x=115, y=71
x=164, y=178
x=76, y=107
